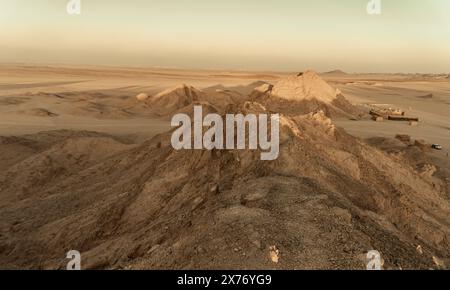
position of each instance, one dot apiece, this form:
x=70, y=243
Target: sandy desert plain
x=85, y=165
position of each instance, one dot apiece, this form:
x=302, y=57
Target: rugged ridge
x=325, y=202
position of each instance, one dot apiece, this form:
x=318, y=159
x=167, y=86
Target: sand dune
x=305, y=86
x=305, y=93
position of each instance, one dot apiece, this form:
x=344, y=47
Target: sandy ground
x=25, y=89
x=433, y=112
x=408, y=95
x=20, y=87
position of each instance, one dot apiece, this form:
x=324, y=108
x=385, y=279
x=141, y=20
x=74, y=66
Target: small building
x=378, y=118
x=392, y=115
x=403, y=118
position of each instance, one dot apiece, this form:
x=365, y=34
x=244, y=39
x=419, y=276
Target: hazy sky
x=409, y=35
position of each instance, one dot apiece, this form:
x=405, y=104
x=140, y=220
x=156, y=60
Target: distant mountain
x=335, y=72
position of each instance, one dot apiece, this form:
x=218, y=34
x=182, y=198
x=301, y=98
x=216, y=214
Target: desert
x=87, y=164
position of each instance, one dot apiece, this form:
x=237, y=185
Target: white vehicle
x=436, y=146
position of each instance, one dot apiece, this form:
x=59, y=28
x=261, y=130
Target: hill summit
x=305, y=93
x=305, y=86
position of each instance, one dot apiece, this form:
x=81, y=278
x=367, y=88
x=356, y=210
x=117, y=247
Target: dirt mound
x=183, y=98
x=306, y=86
x=14, y=149
x=243, y=90
x=307, y=92
x=57, y=162
x=403, y=138
x=11, y=101
x=427, y=96
x=142, y=97
x=171, y=100
x=327, y=200
x=263, y=89
x=98, y=110
x=39, y=112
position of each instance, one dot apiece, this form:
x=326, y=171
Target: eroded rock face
x=173, y=99
x=183, y=98
x=427, y=170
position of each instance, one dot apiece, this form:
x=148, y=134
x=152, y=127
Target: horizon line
x=237, y=70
